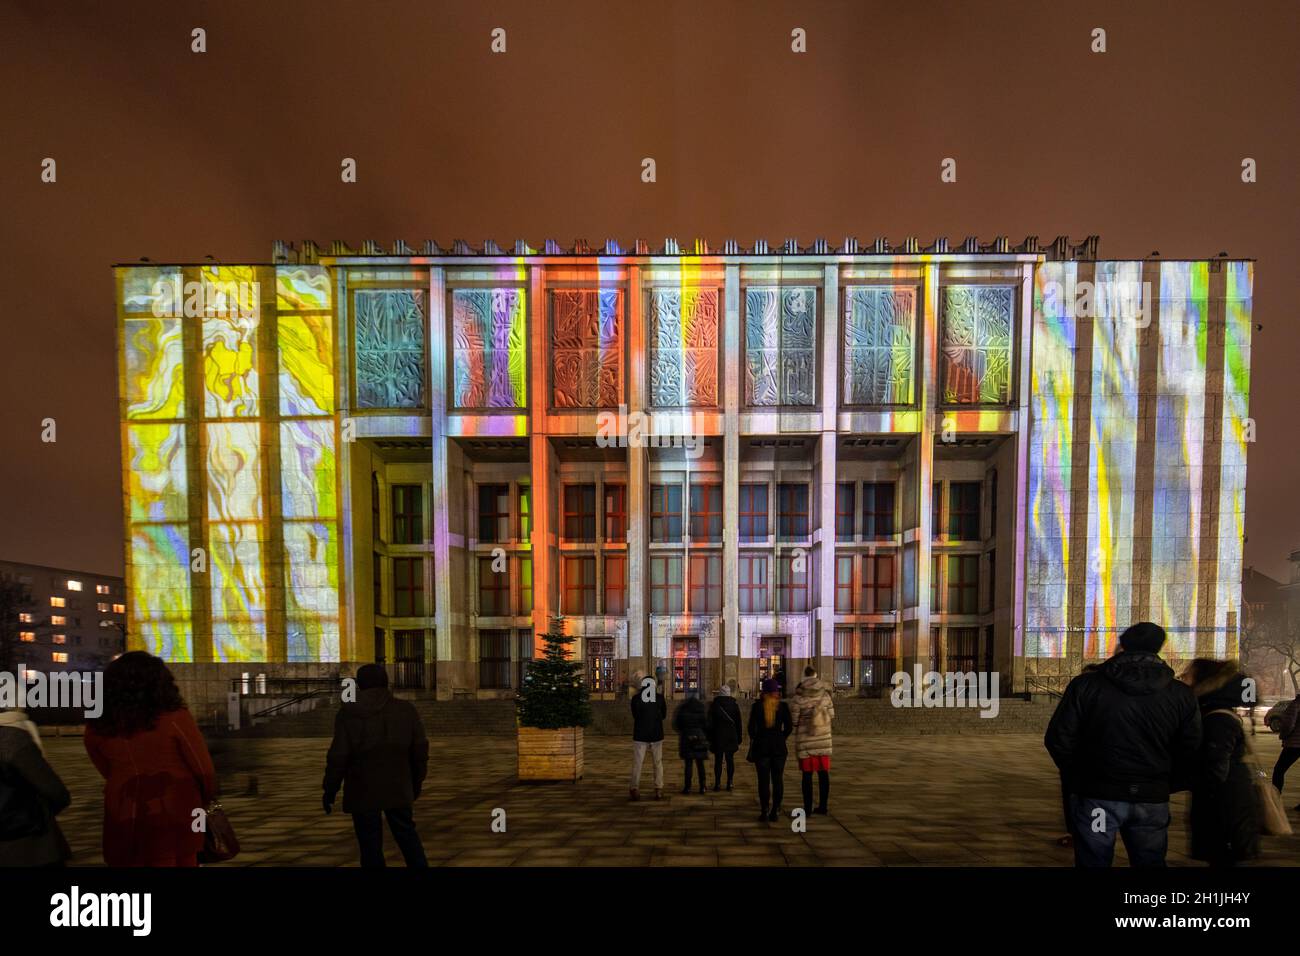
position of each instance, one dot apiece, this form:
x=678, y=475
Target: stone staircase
x=855, y=716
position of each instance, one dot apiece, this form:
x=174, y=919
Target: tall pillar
x=917, y=648
x=639, y=651
x=730, y=648
x=824, y=652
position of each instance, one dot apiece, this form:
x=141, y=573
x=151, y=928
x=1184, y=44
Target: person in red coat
x=155, y=765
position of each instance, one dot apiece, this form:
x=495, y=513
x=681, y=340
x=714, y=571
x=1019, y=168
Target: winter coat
x=1289, y=734
x=379, y=754
x=724, y=725
x=692, y=725
x=768, y=742
x=154, y=780
x=31, y=793
x=1126, y=731
x=1224, y=820
x=648, y=717
x=812, y=710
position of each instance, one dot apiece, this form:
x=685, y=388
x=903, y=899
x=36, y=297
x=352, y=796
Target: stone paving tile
x=905, y=801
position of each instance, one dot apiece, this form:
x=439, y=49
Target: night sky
x=173, y=155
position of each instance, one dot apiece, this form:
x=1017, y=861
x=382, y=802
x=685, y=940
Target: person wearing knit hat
x=725, y=735
x=769, y=725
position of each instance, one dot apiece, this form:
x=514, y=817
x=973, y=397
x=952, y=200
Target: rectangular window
x=380, y=656
x=493, y=514
x=666, y=513
x=993, y=569
x=706, y=512
x=580, y=512
x=963, y=583
x=615, y=584
x=493, y=589
x=963, y=649
x=60, y=638
x=525, y=512
x=844, y=657
x=58, y=620
x=408, y=521
x=616, y=512
x=101, y=589
x=878, y=584
x=27, y=637
x=58, y=602
x=408, y=587
x=665, y=584
x=844, y=584
x=686, y=664
x=964, y=510
x=753, y=513
x=119, y=608
x=579, y=585
x=59, y=657
x=935, y=564
x=494, y=660
x=936, y=510
x=74, y=585
x=374, y=506
x=101, y=607
x=525, y=585
x=523, y=655
x=844, y=494
x=753, y=583
x=791, y=584
x=792, y=512
x=377, y=572
x=26, y=618
x=878, y=509
x=706, y=584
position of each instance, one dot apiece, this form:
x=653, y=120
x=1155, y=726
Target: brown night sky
x=172, y=155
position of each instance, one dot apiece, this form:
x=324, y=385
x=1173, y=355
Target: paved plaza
x=895, y=801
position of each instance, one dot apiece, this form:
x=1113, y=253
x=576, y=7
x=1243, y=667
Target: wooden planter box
x=550, y=754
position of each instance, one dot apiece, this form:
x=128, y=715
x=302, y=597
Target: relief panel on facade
x=683, y=347
x=587, y=348
x=879, y=347
x=781, y=346
x=489, y=348
x=390, y=351
x=976, y=344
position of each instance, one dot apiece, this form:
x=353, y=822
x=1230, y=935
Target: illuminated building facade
x=63, y=620
x=721, y=463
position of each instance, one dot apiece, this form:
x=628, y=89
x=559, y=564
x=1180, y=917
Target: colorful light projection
x=154, y=443
x=683, y=337
x=1238, y=300
x=780, y=345
x=1051, y=409
x=308, y=457
x=587, y=348
x=489, y=348
x=879, y=345
x=1113, y=423
x=1179, y=452
x=239, y=438
x=389, y=341
x=975, y=344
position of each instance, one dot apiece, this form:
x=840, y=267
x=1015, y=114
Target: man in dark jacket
x=380, y=756
x=31, y=793
x=648, y=712
x=1124, y=736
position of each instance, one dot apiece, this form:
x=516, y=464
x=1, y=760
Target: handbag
x=219, y=841
x=1268, y=801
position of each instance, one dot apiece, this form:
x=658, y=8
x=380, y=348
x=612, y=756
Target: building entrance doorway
x=686, y=664
x=771, y=659
x=408, y=660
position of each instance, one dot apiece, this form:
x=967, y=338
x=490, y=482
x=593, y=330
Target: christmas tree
x=554, y=695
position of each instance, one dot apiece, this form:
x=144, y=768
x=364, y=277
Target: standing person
x=724, y=735
x=379, y=756
x=1124, y=736
x=1224, y=821
x=31, y=794
x=769, y=725
x=1289, y=734
x=812, y=710
x=649, y=709
x=155, y=765
x=692, y=725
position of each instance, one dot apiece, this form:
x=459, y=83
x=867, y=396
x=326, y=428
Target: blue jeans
x=1143, y=826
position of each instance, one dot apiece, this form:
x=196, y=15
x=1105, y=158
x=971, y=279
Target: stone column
x=730, y=645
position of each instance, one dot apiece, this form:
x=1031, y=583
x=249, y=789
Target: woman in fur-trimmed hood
x=812, y=710
x=1224, y=820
